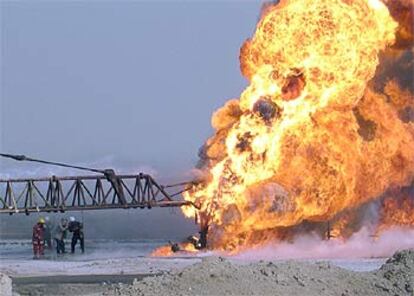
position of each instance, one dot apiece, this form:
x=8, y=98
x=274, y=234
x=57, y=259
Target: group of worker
x=47, y=234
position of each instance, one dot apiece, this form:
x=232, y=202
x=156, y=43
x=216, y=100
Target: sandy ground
x=143, y=265
x=83, y=275
x=140, y=265
x=116, y=276
x=94, y=274
x=218, y=276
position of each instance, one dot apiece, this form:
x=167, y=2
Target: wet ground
x=70, y=284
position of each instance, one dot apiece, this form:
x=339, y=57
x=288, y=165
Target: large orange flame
x=307, y=139
x=397, y=210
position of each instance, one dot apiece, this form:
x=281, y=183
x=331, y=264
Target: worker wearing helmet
x=38, y=238
x=60, y=235
x=76, y=228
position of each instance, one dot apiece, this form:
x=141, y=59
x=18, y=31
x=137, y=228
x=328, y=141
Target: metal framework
x=75, y=193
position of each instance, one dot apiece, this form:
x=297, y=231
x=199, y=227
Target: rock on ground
x=5, y=285
x=217, y=276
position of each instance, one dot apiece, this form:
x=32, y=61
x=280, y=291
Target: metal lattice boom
x=74, y=193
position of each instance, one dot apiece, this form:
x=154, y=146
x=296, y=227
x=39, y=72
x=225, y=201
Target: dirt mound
x=398, y=273
x=217, y=276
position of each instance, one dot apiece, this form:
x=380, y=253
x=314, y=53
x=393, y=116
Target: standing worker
x=38, y=239
x=76, y=228
x=59, y=234
x=48, y=233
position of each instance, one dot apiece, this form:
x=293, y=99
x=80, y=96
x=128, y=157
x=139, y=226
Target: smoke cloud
x=360, y=245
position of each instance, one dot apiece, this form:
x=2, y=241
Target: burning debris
x=323, y=130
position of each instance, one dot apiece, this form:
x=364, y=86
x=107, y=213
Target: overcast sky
x=125, y=84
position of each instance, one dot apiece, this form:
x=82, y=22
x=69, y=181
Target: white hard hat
x=47, y=218
x=72, y=219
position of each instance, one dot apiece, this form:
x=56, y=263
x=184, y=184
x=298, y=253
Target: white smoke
x=360, y=245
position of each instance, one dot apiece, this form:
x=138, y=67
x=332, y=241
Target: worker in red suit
x=38, y=239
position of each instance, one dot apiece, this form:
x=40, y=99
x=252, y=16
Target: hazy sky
x=117, y=83
x=128, y=84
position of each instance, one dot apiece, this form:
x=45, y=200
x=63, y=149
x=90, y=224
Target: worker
x=48, y=233
x=38, y=238
x=76, y=228
x=59, y=234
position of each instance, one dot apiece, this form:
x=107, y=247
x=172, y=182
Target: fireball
x=309, y=137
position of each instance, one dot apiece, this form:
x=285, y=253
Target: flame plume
x=396, y=211
x=313, y=134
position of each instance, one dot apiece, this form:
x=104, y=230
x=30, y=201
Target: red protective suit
x=38, y=240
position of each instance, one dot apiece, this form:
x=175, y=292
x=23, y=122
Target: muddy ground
x=64, y=285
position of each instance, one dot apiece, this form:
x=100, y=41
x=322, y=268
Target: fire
x=397, y=212
x=166, y=251
x=341, y=227
x=308, y=138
